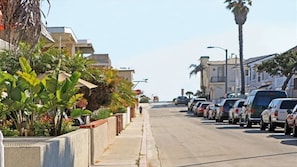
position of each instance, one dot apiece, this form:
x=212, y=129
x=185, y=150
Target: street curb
x=143, y=151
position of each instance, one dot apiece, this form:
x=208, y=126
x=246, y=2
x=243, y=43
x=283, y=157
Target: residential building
x=126, y=73
x=262, y=80
x=65, y=38
x=214, y=78
x=254, y=79
x=100, y=60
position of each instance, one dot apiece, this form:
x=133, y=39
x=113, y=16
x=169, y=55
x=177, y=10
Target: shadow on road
x=238, y=159
x=254, y=130
x=229, y=127
x=279, y=136
x=285, y=139
x=289, y=142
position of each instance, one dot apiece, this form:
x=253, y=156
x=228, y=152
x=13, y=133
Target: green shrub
x=9, y=132
x=121, y=110
x=101, y=114
x=144, y=100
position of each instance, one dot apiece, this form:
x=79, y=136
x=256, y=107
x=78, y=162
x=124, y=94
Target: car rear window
x=263, y=100
x=204, y=105
x=240, y=104
x=288, y=104
x=229, y=103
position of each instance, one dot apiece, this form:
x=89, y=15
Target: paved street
x=187, y=141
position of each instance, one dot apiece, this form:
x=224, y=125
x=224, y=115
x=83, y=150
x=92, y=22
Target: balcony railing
x=217, y=79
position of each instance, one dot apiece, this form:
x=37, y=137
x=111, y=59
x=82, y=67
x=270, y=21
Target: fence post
x=1, y=150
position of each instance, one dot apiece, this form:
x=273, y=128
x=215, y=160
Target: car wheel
x=287, y=129
x=240, y=121
x=271, y=127
x=230, y=121
x=234, y=121
x=220, y=119
x=248, y=123
x=263, y=125
x=295, y=130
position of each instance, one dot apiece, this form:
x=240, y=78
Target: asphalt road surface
x=184, y=140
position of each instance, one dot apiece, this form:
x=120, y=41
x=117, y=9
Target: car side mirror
x=289, y=111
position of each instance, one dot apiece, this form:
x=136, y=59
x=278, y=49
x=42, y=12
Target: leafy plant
x=121, y=109
x=102, y=114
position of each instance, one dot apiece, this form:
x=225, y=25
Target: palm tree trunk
x=242, y=90
x=284, y=86
x=202, y=83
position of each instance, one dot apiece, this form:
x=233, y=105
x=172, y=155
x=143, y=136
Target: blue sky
x=159, y=39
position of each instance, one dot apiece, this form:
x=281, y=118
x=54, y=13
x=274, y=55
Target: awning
x=63, y=75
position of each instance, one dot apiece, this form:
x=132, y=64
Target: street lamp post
x=236, y=74
x=137, y=82
x=226, y=66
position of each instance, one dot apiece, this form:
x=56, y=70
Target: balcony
x=217, y=79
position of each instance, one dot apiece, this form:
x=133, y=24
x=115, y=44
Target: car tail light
x=222, y=109
x=236, y=110
x=252, y=110
x=276, y=113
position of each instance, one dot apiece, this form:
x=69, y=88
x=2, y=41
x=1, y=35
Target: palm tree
x=240, y=10
x=21, y=20
x=196, y=69
x=189, y=94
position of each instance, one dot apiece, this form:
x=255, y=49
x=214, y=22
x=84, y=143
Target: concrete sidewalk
x=129, y=148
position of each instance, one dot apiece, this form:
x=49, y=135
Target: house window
x=295, y=83
x=254, y=75
x=220, y=71
x=246, y=73
x=259, y=77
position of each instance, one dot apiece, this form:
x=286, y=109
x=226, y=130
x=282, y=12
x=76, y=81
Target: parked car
x=209, y=112
x=291, y=122
x=235, y=111
x=256, y=102
x=222, y=112
x=181, y=100
x=276, y=113
x=195, y=107
x=202, y=106
x=193, y=101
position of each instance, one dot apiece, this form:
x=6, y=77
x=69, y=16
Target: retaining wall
x=80, y=148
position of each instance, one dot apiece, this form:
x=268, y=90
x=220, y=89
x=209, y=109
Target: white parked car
x=291, y=122
x=235, y=111
x=194, y=100
x=195, y=107
x=276, y=113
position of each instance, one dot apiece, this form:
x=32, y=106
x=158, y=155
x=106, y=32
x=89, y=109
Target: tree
x=189, y=93
x=21, y=21
x=195, y=70
x=240, y=10
x=282, y=64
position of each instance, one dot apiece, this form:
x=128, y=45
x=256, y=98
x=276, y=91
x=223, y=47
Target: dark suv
x=256, y=102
